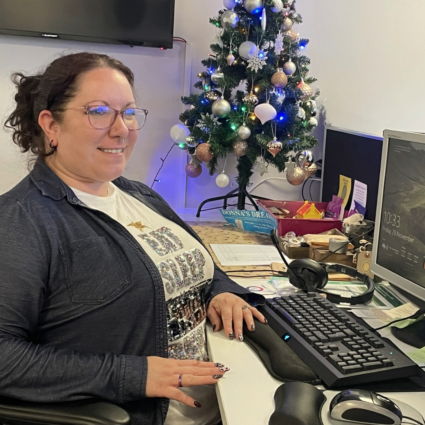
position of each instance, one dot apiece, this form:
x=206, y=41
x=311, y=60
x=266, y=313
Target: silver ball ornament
x=244, y=132
x=217, y=75
x=220, y=108
x=191, y=141
x=222, y=180
x=253, y=6
x=312, y=121
x=246, y=49
x=230, y=59
x=229, y=4
x=229, y=19
x=289, y=68
x=287, y=25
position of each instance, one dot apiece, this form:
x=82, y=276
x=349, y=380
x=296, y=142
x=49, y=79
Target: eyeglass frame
x=117, y=112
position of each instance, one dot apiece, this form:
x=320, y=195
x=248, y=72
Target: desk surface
x=246, y=392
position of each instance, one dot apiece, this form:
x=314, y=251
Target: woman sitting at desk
x=104, y=289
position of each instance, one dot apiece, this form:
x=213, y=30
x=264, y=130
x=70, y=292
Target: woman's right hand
x=163, y=377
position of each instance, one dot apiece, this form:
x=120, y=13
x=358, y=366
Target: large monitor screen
x=133, y=22
x=399, y=243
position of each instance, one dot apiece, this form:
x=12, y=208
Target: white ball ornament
x=220, y=108
x=229, y=19
x=179, y=132
x=265, y=112
x=229, y=4
x=287, y=25
x=222, y=180
x=244, y=132
x=289, y=68
x=247, y=48
x=312, y=121
x=253, y=6
x=277, y=6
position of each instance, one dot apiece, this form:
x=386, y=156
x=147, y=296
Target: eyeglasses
x=102, y=117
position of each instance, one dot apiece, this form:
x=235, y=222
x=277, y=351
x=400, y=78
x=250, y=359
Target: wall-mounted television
x=147, y=23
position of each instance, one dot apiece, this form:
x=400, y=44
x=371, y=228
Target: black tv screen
x=133, y=22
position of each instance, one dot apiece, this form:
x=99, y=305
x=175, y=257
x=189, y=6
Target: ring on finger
x=180, y=381
x=244, y=307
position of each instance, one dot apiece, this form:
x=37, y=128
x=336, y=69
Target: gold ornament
x=250, y=98
x=279, y=79
x=312, y=169
x=213, y=95
x=239, y=147
x=291, y=34
x=305, y=91
x=274, y=147
x=296, y=175
x=203, y=152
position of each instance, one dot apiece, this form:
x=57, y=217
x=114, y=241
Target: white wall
x=368, y=57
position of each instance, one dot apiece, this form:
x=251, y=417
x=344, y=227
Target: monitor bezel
x=393, y=278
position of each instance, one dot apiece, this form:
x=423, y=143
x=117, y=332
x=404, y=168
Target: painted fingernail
x=214, y=326
x=266, y=321
x=224, y=369
x=197, y=404
x=217, y=376
x=218, y=364
x=240, y=336
x=253, y=327
x=231, y=336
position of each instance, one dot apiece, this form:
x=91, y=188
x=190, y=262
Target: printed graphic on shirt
x=138, y=225
x=183, y=274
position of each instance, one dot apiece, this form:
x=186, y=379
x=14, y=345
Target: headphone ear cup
x=310, y=275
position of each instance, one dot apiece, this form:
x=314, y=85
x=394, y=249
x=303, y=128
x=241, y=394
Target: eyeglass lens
x=102, y=116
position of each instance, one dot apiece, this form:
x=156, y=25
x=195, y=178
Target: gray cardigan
x=81, y=303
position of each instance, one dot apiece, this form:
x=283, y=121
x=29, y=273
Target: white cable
x=264, y=180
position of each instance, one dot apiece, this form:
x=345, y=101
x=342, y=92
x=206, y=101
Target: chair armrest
x=83, y=412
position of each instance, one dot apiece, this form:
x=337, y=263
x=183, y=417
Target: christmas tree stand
x=241, y=193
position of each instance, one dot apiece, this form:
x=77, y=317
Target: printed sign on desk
x=252, y=221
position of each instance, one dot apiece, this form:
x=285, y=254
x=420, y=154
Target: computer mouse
x=365, y=407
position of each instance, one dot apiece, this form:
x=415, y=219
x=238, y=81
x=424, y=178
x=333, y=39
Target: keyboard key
x=372, y=365
x=351, y=369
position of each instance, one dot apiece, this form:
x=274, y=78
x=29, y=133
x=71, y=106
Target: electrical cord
x=163, y=160
x=419, y=313
x=411, y=419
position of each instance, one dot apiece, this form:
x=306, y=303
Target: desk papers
x=245, y=255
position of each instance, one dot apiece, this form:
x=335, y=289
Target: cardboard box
x=320, y=254
x=298, y=225
x=294, y=252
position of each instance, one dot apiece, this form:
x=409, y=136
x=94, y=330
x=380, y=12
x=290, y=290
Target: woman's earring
x=52, y=147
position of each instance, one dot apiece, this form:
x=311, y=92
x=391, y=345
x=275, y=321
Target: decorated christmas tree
x=254, y=98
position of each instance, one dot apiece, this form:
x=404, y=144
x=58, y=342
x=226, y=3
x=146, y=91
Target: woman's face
x=87, y=158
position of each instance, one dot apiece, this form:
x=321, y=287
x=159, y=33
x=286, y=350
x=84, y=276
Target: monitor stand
x=413, y=334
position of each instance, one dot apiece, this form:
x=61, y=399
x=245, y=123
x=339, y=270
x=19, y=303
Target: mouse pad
x=406, y=410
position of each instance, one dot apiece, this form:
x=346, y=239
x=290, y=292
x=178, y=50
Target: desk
x=246, y=393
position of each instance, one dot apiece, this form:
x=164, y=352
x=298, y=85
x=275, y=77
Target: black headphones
x=311, y=276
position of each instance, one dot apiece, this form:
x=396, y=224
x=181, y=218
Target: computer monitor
x=354, y=155
x=399, y=237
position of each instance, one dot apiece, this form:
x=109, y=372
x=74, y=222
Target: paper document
x=344, y=188
x=245, y=255
x=359, y=194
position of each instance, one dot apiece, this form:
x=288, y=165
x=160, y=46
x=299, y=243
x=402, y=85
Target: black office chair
x=84, y=412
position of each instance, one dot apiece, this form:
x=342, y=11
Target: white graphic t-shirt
x=185, y=267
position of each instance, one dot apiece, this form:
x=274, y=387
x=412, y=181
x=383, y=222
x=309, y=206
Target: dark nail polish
x=217, y=376
x=214, y=326
x=253, y=327
x=240, y=336
x=197, y=404
x=218, y=364
x=231, y=336
x=224, y=369
x=266, y=321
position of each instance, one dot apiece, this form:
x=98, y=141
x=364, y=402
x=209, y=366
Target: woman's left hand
x=229, y=311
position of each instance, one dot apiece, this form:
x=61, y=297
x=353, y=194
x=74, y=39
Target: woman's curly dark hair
x=51, y=91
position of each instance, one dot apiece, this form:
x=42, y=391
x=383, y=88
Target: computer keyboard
x=335, y=345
